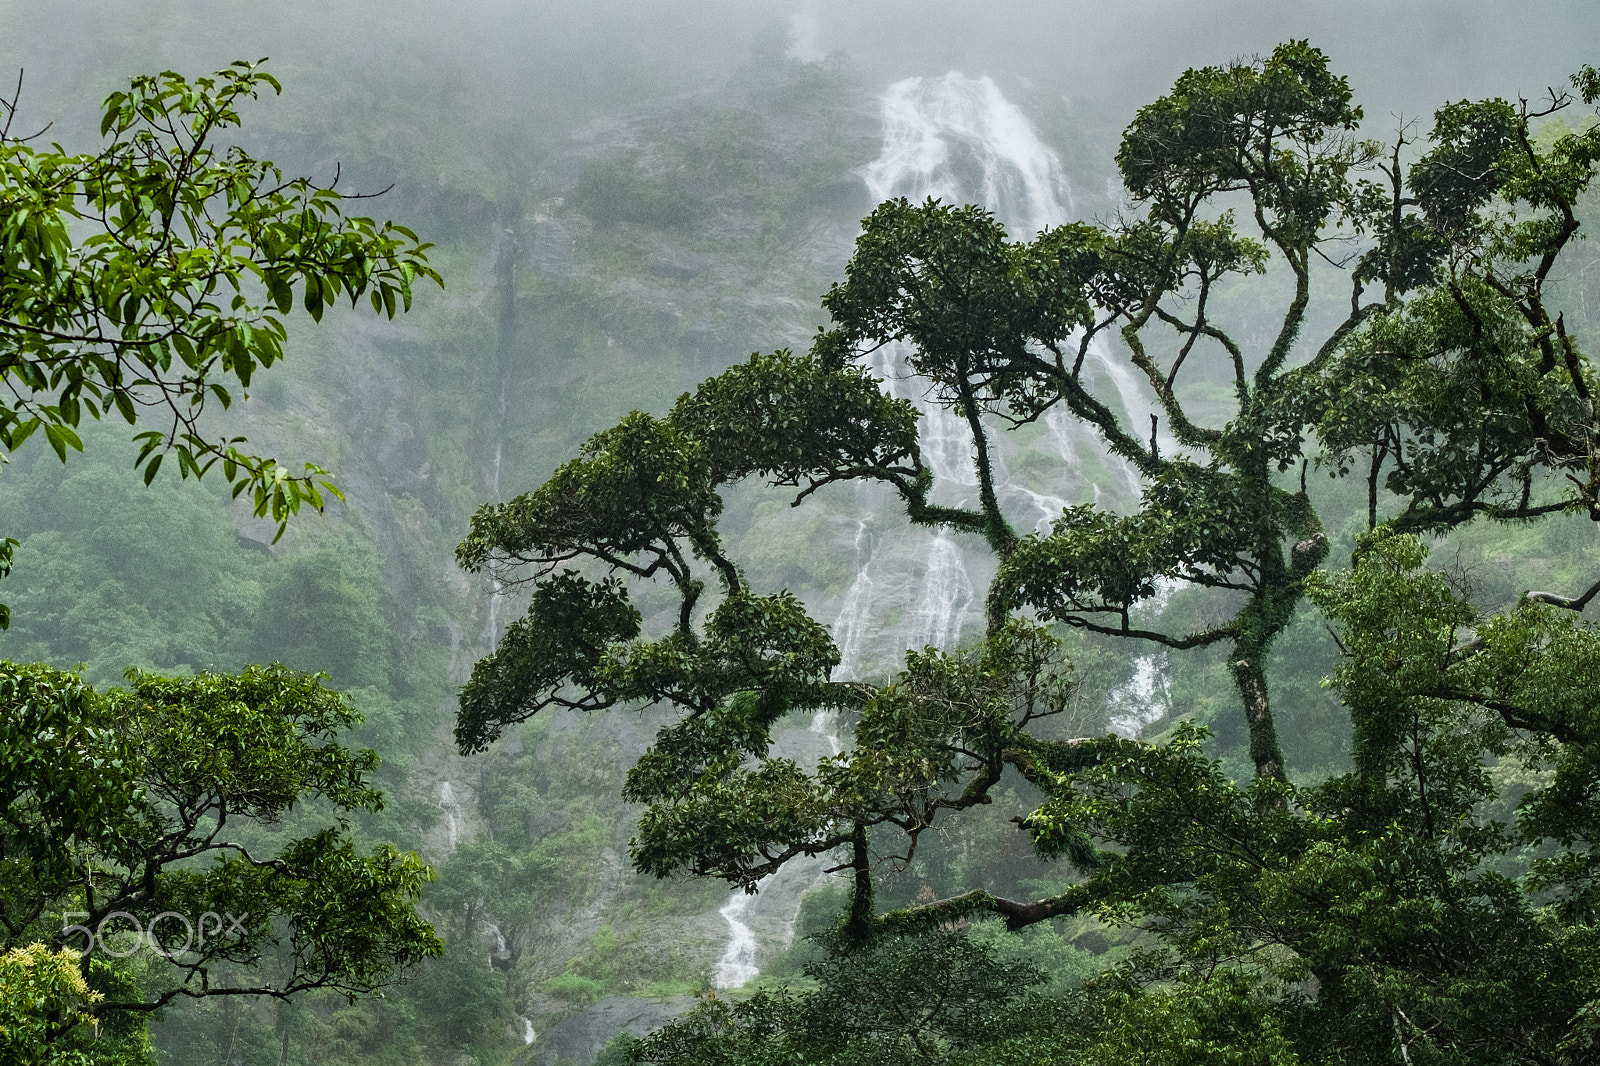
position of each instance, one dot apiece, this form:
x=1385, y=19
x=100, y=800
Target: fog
x=626, y=196
x=549, y=58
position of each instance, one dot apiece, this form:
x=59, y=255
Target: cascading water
x=1144, y=698
x=946, y=594
x=738, y=963
x=451, y=807
x=496, y=588
x=501, y=949
x=958, y=139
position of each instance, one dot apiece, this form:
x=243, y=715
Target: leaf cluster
x=137, y=802
x=932, y=996
x=151, y=278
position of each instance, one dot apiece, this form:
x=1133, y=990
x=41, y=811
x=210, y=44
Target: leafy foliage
x=933, y=996
x=42, y=997
x=126, y=806
x=150, y=278
x=1388, y=910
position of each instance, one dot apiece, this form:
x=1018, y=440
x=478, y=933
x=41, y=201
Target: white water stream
x=506, y=281
x=501, y=949
x=452, y=812
x=958, y=139
x=738, y=962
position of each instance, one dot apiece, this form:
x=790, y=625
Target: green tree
x=148, y=280
x=144, y=811
x=1460, y=398
x=929, y=996
x=42, y=996
x=1383, y=889
x=322, y=607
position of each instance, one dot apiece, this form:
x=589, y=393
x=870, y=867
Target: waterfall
x=510, y=250
x=960, y=140
x=957, y=138
x=738, y=964
x=452, y=812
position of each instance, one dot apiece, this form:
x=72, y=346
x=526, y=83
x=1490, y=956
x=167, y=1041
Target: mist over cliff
x=626, y=197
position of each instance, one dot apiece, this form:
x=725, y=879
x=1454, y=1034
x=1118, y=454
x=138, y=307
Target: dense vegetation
x=178, y=585
x=1383, y=911
x=125, y=289
x=591, y=275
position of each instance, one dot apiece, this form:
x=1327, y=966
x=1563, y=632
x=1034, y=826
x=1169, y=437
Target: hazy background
x=542, y=58
x=627, y=197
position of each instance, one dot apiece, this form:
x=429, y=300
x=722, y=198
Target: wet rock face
x=579, y=1039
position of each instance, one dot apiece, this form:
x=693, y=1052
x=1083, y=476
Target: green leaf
x=61, y=437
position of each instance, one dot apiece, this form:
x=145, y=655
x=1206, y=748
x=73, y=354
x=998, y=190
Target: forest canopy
x=1414, y=905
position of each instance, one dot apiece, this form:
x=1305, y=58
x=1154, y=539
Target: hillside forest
x=1132, y=605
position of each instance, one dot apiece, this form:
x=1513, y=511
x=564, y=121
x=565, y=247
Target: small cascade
x=1144, y=699
x=1137, y=403
x=823, y=724
x=1049, y=507
x=1067, y=434
x=738, y=963
x=946, y=445
x=452, y=812
x=501, y=950
x=528, y=1035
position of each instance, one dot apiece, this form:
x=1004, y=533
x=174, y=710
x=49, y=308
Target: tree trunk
x=1264, y=749
x=859, y=925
